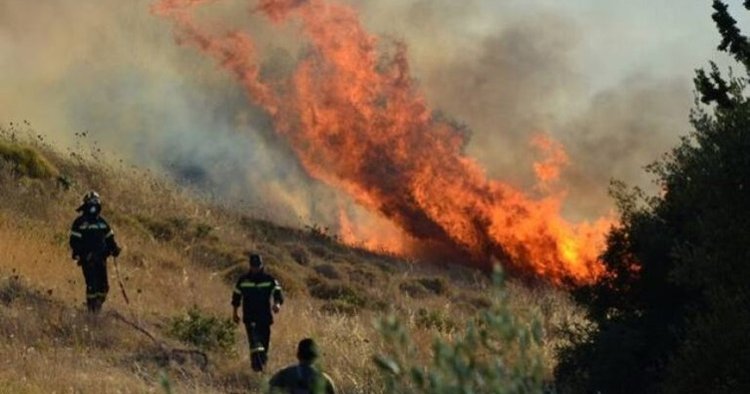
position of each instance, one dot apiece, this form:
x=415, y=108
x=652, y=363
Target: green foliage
x=434, y=319
x=326, y=290
x=204, y=331
x=674, y=315
x=27, y=161
x=499, y=352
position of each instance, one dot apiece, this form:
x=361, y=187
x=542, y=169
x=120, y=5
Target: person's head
x=256, y=263
x=307, y=351
x=92, y=204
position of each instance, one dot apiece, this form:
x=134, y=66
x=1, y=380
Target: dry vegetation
x=182, y=252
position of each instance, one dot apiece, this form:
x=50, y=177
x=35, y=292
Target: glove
x=116, y=251
x=75, y=256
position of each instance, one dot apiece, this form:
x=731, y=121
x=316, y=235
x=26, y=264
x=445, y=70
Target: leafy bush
x=204, y=331
x=325, y=290
x=499, y=352
x=434, y=319
x=673, y=316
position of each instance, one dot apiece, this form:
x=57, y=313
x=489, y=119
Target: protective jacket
x=302, y=378
x=91, y=238
x=92, y=241
x=255, y=291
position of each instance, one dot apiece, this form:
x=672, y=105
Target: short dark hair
x=307, y=350
x=255, y=260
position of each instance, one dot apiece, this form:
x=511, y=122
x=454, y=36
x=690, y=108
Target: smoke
x=506, y=71
x=509, y=72
x=623, y=129
x=112, y=69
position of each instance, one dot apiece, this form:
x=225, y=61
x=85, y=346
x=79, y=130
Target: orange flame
x=371, y=236
x=548, y=171
x=356, y=121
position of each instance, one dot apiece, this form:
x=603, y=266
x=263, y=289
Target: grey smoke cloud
x=610, y=80
x=505, y=68
x=112, y=69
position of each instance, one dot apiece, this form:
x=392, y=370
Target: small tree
x=674, y=316
x=499, y=352
x=202, y=330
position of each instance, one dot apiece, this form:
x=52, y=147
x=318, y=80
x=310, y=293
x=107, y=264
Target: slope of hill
x=182, y=253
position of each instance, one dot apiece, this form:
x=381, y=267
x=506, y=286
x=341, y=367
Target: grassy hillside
x=181, y=253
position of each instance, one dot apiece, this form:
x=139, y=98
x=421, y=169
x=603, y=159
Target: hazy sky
x=610, y=79
x=615, y=38
x=665, y=37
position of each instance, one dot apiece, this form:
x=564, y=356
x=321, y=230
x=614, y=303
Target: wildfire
x=356, y=121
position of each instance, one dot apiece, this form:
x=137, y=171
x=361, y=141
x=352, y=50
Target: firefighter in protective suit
x=92, y=241
x=303, y=377
x=260, y=296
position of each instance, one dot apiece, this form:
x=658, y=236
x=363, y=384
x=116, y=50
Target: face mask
x=93, y=209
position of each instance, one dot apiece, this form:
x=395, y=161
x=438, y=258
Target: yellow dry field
x=180, y=252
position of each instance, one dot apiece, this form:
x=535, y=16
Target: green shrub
x=204, y=331
x=498, y=353
x=672, y=315
x=27, y=161
x=434, y=319
x=325, y=290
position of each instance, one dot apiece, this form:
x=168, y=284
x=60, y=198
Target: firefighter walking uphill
x=92, y=241
x=261, y=297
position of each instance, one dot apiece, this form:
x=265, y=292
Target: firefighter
x=303, y=377
x=92, y=241
x=261, y=298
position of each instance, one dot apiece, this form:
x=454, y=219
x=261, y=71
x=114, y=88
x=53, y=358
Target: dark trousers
x=97, y=285
x=259, y=339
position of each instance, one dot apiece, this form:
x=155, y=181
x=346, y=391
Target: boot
x=98, y=304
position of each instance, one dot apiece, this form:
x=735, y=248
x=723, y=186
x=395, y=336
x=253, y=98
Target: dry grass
x=181, y=251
